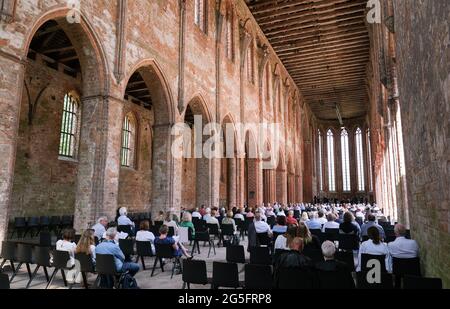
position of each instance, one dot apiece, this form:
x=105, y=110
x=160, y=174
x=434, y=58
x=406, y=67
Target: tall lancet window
x=345, y=161
x=320, y=161
x=360, y=159
x=331, y=168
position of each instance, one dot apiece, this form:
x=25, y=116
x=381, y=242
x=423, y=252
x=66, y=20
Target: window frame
x=345, y=156
x=360, y=173
x=69, y=133
x=331, y=161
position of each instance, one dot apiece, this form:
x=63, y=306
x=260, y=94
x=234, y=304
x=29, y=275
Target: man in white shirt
x=212, y=219
x=331, y=224
x=403, y=248
x=196, y=214
x=322, y=218
x=123, y=219
x=100, y=227
x=240, y=215
x=261, y=226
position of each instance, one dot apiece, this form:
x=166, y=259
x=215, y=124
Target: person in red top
x=202, y=210
x=290, y=220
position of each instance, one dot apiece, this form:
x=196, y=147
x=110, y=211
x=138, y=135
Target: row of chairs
x=34, y=225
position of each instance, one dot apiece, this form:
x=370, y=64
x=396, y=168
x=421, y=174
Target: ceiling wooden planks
x=324, y=44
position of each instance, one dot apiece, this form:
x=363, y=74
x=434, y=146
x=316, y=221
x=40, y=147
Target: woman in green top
x=186, y=221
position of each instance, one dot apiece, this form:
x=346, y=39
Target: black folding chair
x=86, y=267
x=143, y=250
x=194, y=272
x=235, y=254
x=332, y=234
x=213, y=230
x=258, y=277
x=165, y=251
x=66, y=222
x=348, y=242
x=403, y=267
x=365, y=283
x=41, y=259
x=418, y=283
x=44, y=223
x=127, y=247
x=199, y=225
x=45, y=239
x=225, y=275
x=32, y=226
x=347, y=258
x=61, y=262
x=24, y=256
x=8, y=254
x=203, y=236
x=241, y=227
x=335, y=280
x=316, y=232
x=106, y=267
x=263, y=239
x=260, y=256
x=295, y=278
x=55, y=223
x=4, y=282
x=20, y=227
x=125, y=229
x=365, y=258
x=314, y=254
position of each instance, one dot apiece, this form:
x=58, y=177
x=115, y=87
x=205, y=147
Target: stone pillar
x=99, y=160
x=232, y=190
x=213, y=198
x=11, y=81
x=281, y=186
x=240, y=183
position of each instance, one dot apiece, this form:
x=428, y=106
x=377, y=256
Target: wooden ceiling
x=324, y=44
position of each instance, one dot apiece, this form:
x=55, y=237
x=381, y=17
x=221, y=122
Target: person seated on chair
x=229, y=220
x=67, y=244
x=309, y=241
x=321, y=217
x=196, y=214
x=160, y=217
x=331, y=265
x=403, y=248
x=119, y=235
x=124, y=220
x=314, y=223
x=240, y=214
x=290, y=220
x=144, y=234
x=250, y=213
x=330, y=224
x=212, y=219
x=374, y=246
x=281, y=226
x=110, y=247
x=86, y=245
x=371, y=223
x=164, y=239
x=100, y=227
x=170, y=222
x=186, y=221
x=305, y=217
x=261, y=226
x=283, y=241
x=349, y=226
x=207, y=214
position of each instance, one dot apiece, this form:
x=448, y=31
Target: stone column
x=232, y=190
x=11, y=82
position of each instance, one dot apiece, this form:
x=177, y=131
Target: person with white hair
x=330, y=224
x=207, y=214
x=100, y=227
x=196, y=214
x=403, y=248
x=110, y=247
x=123, y=219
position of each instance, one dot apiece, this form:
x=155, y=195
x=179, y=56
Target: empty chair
x=4, y=282
x=295, y=278
x=258, y=277
x=194, y=272
x=55, y=223
x=165, y=251
x=365, y=258
x=260, y=256
x=213, y=229
x=66, y=222
x=225, y=275
x=143, y=250
x=263, y=239
x=32, y=226
x=24, y=256
x=363, y=282
x=203, y=236
x=347, y=258
x=127, y=247
x=314, y=254
x=61, y=262
x=45, y=239
x=227, y=230
x=402, y=267
x=332, y=234
x=348, y=242
x=8, y=254
x=337, y=279
x=418, y=283
x=106, y=267
x=44, y=223
x=20, y=226
x=235, y=254
x=86, y=266
x=41, y=259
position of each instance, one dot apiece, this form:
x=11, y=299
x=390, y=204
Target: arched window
x=369, y=160
x=320, y=161
x=200, y=14
x=68, y=144
x=128, y=141
x=360, y=160
x=250, y=64
x=331, y=169
x=229, y=35
x=345, y=161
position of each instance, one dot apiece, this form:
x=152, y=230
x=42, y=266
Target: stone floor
x=159, y=281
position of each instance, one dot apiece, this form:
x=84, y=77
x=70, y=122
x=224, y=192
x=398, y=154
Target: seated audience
x=250, y=213
x=86, y=245
x=403, y=248
x=119, y=235
x=160, y=217
x=212, y=219
x=304, y=217
x=330, y=224
x=196, y=214
x=321, y=217
x=374, y=246
x=178, y=249
x=261, y=226
x=349, y=226
x=240, y=214
x=110, y=247
x=309, y=241
x=144, y=234
x=283, y=241
x=229, y=220
x=170, y=222
x=280, y=226
x=331, y=265
x=371, y=223
x=67, y=244
x=314, y=223
x=290, y=220
x=207, y=214
x=186, y=221
x=100, y=227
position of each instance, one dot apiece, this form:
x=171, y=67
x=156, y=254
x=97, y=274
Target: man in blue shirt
x=365, y=227
x=109, y=247
x=314, y=223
